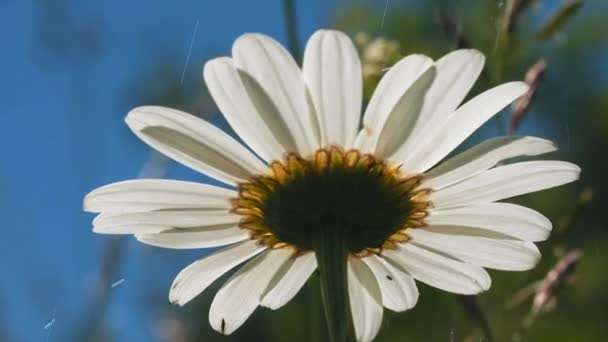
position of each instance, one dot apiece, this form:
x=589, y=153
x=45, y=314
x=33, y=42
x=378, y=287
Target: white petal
x=142, y=195
x=482, y=157
x=365, y=300
x=456, y=73
x=440, y=136
x=439, y=271
x=510, y=255
x=289, y=280
x=332, y=71
x=271, y=66
x=195, y=278
x=132, y=229
x=389, y=91
x=505, y=182
x=194, y=143
x=241, y=294
x=248, y=109
x=505, y=218
x=399, y=291
x=204, y=237
x=124, y=223
x=404, y=116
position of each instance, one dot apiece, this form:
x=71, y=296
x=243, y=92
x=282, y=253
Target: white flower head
x=312, y=169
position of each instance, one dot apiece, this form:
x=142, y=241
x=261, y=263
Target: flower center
x=300, y=198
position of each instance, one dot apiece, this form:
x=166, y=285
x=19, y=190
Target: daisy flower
x=366, y=202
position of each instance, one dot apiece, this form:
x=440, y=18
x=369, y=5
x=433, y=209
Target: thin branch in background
x=555, y=279
x=533, y=78
x=546, y=290
x=291, y=27
x=522, y=295
x=507, y=26
x=559, y=19
x=450, y=29
x=570, y=219
x=473, y=309
x=512, y=11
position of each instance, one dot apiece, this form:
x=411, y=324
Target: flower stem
x=331, y=249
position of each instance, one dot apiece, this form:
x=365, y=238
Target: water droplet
x=117, y=283
x=49, y=324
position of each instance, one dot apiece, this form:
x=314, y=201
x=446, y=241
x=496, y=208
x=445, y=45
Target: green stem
x=289, y=12
x=331, y=249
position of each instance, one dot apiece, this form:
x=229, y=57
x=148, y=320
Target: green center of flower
x=300, y=199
